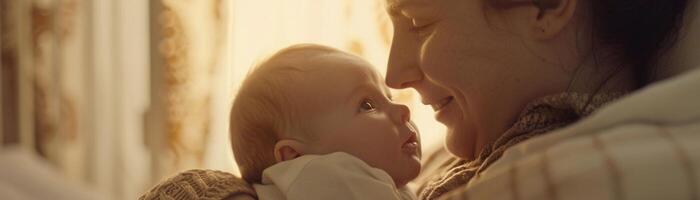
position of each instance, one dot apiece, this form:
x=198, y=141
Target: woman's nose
x=403, y=67
x=400, y=114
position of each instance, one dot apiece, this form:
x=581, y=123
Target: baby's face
x=353, y=113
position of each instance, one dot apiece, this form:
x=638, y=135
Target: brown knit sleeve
x=199, y=184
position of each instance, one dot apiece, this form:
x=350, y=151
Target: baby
x=313, y=122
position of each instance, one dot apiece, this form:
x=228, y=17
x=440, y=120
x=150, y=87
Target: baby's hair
x=263, y=111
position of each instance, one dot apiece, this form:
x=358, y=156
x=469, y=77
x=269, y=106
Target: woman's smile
x=443, y=110
x=441, y=104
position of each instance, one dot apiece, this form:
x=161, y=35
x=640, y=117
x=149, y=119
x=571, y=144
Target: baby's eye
x=367, y=105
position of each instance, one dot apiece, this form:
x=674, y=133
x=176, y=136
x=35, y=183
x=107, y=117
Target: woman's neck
x=602, y=75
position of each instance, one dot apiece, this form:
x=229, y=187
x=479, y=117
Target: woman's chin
x=459, y=146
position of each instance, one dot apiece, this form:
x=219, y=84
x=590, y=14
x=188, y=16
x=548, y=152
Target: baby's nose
x=401, y=114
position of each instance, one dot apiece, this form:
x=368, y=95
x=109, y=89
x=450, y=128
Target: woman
x=500, y=72
x=510, y=74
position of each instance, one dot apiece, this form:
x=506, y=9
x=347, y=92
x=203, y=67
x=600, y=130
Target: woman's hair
x=638, y=31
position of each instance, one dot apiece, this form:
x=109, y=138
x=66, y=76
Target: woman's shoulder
x=635, y=161
x=640, y=147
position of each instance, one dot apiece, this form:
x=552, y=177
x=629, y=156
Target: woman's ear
x=553, y=17
x=288, y=150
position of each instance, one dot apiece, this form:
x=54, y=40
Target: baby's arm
x=341, y=176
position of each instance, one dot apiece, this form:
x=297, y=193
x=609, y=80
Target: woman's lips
x=442, y=110
x=438, y=106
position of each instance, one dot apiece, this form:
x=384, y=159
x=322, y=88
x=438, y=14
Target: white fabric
x=334, y=176
x=644, y=146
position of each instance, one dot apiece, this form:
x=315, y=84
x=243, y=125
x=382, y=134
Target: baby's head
x=312, y=99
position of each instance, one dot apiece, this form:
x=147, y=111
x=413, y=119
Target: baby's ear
x=288, y=150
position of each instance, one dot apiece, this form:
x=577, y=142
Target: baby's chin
x=408, y=173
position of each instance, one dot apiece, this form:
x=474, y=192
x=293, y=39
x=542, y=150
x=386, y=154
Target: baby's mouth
x=411, y=145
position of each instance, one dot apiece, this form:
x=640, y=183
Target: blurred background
x=101, y=99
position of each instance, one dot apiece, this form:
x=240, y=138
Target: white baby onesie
x=338, y=176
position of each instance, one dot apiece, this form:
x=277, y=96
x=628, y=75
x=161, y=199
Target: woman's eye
x=421, y=28
x=367, y=105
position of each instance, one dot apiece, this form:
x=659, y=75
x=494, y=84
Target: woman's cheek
x=433, y=60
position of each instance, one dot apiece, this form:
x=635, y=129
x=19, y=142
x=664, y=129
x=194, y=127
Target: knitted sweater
x=199, y=184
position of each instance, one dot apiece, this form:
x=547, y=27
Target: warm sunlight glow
x=260, y=27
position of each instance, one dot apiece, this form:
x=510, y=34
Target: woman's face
x=472, y=64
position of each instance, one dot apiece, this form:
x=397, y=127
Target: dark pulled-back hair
x=638, y=31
